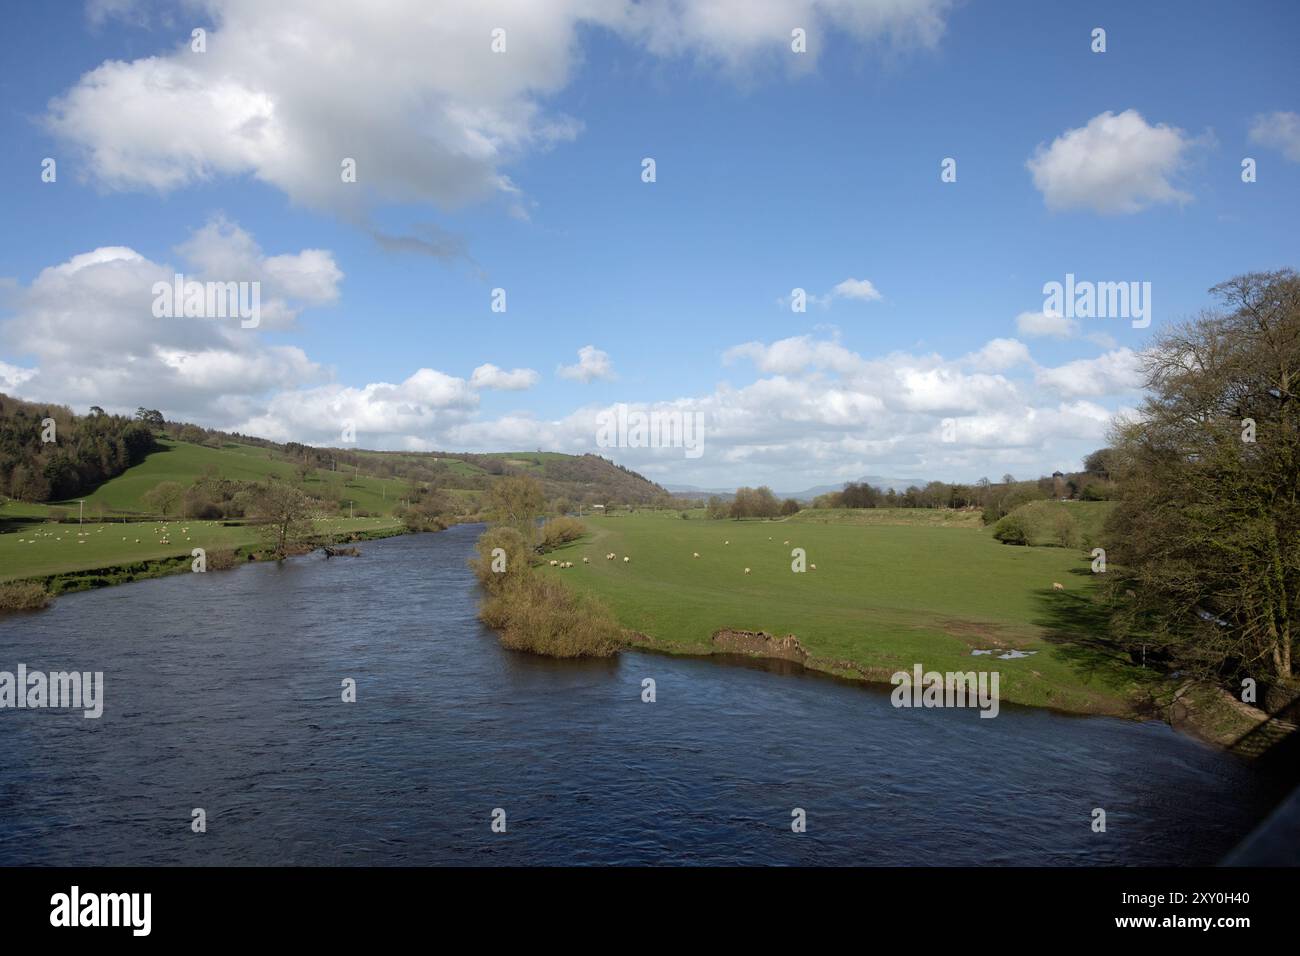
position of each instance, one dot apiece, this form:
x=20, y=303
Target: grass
x=928, y=517
x=184, y=463
x=1041, y=520
x=39, y=550
x=884, y=597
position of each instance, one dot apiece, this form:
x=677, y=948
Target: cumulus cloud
x=1279, y=130
x=1114, y=164
x=489, y=376
x=592, y=364
x=999, y=355
x=1115, y=372
x=415, y=95
x=856, y=289
x=1041, y=324
x=406, y=415
x=89, y=325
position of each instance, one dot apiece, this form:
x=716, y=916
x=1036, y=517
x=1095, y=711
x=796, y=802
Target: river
x=223, y=692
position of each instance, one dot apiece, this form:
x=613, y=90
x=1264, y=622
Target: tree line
x=47, y=452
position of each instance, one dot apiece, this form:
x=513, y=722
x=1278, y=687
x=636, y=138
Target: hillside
x=1073, y=524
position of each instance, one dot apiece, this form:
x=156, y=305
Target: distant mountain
x=808, y=494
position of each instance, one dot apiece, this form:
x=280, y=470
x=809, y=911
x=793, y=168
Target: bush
x=1064, y=530
x=223, y=560
x=24, y=596
x=541, y=615
x=516, y=558
x=560, y=531
x=1011, y=530
x=58, y=515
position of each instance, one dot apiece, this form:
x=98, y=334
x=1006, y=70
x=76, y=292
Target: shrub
x=516, y=558
x=1064, y=530
x=24, y=596
x=560, y=531
x=1011, y=530
x=541, y=615
x=223, y=560
x=58, y=515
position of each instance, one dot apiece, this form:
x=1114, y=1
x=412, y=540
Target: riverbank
x=65, y=558
x=875, y=599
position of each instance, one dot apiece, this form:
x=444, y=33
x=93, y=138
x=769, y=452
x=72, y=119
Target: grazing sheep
x=586, y=560
x=695, y=554
x=554, y=563
x=785, y=542
x=812, y=567
x=1058, y=586
x=726, y=542
x=746, y=570
x=626, y=559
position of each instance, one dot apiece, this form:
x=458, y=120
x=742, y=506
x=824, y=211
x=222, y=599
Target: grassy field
x=39, y=550
x=928, y=517
x=183, y=463
x=884, y=597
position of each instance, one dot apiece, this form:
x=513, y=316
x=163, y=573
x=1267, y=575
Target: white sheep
x=695, y=554
x=746, y=570
x=1058, y=586
x=626, y=559
x=586, y=560
x=812, y=567
x=554, y=563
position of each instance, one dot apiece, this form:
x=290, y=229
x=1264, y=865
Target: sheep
x=812, y=567
x=586, y=560
x=785, y=542
x=1058, y=586
x=626, y=559
x=746, y=570
x=554, y=563
x=726, y=542
x=695, y=554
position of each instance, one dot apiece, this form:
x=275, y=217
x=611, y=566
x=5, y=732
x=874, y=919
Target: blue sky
x=774, y=170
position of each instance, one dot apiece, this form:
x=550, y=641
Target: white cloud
x=489, y=376
x=592, y=364
x=856, y=289
x=406, y=415
x=1114, y=164
x=1036, y=325
x=1115, y=372
x=1279, y=130
x=89, y=324
x=415, y=95
x=999, y=355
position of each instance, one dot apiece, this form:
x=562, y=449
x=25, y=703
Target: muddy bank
x=1197, y=708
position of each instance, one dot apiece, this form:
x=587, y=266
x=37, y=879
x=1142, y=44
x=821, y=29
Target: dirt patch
x=759, y=643
x=980, y=634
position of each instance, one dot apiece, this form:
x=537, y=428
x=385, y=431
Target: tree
x=789, y=507
x=150, y=416
x=286, y=512
x=1207, y=531
x=163, y=496
x=515, y=502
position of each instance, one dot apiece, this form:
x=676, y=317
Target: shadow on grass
x=1077, y=626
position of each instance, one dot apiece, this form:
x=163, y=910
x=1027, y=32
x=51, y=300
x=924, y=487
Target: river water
x=223, y=692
